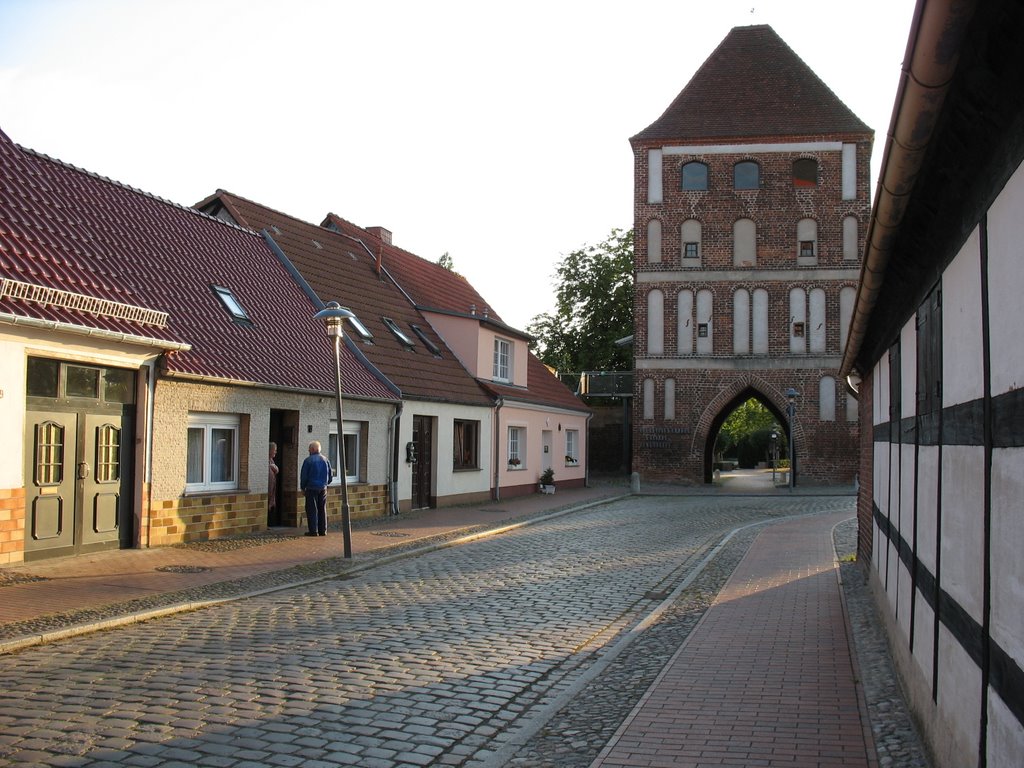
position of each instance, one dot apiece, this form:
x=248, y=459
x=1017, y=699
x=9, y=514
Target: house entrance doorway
x=78, y=458
x=423, y=466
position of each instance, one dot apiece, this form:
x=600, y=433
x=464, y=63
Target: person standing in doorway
x=316, y=475
x=272, y=483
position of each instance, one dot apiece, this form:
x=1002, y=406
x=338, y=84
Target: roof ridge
x=136, y=190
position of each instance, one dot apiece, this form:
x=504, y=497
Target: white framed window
x=211, y=462
x=231, y=303
x=502, y=360
x=572, y=447
x=465, y=444
x=517, y=447
x=353, y=436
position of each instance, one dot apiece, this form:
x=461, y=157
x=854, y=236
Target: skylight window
x=434, y=350
x=231, y=304
x=401, y=335
x=360, y=329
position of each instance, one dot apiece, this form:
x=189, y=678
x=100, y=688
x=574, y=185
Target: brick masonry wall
x=675, y=449
x=12, y=525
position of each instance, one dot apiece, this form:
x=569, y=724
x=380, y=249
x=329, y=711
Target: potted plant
x=547, y=481
x=570, y=459
x=514, y=462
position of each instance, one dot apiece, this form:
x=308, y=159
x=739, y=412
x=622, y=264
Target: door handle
x=83, y=470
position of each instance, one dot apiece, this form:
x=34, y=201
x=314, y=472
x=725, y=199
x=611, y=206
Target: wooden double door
x=78, y=460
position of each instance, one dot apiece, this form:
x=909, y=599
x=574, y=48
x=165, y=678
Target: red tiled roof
x=339, y=268
x=64, y=228
x=430, y=286
x=753, y=85
x=544, y=389
x=434, y=288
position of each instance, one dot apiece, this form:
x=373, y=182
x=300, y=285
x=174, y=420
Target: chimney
x=379, y=232
x=472, y=309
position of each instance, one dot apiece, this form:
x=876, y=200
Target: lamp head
x=334, y=316
x=792, y=395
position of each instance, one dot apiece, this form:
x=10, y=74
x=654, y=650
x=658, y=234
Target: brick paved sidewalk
x=767, y=677
x=110, y=585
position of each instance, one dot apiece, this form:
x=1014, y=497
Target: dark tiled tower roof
x=753, y=85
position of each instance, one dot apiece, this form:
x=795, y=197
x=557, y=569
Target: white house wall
x=947, y=487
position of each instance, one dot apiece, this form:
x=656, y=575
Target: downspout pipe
x=393, y=472
x=928, y=67
x=498, y=437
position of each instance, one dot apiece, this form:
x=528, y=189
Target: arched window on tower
x=654, y=241
x=847, y=297
x=746, y=175
x=744, y=243
x=806, y=242
x=670, y=399
x=648, y=398
x=805, y=173
x=797, y=321
x=689, y=237
x=655, y=322
x=694, y=177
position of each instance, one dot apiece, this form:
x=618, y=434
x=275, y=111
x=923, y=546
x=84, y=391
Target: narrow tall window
x=516, y=448
x=49, y=453
x=807, y=242
x=929, y=353
x=694, y=177
x=648, y=404
x=827, y=399
x=690, y=236
x=684, y=322
x=353, y=437
x=797, y=321
x=744, y=243
x=705, y=332
x=817, y=332
x=670, y=399
x=572, y=447
x=851, y=248
x=746, y=175
x=653, y=241
x=655, y=322
x=465, y=444
x=741, y=322
x=760, y=321
x=502, y=360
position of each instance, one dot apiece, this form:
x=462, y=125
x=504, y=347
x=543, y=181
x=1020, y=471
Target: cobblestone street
x=464, y=656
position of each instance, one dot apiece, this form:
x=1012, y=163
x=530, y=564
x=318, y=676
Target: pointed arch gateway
x=719, y=408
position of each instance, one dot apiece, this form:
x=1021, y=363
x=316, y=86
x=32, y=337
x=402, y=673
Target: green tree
x=745, y=433
x=594, y=308
x=447, y=262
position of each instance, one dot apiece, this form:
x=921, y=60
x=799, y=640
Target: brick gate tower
x=751, y=206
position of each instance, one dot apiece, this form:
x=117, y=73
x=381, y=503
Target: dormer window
x=403, y=338
x=361, y=330
x=231, y=304
x=502, y=360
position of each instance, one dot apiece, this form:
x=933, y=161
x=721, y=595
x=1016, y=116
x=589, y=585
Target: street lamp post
x=791, y=395
x=334, y=317
x=775, y=453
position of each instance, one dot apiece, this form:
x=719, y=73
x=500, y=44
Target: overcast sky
x=495, y=132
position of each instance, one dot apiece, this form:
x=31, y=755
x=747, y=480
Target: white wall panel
x=1006, y=284
x=959, y=700
x=1007, y=615
x=963, y=495
x=908, y=369
x=927, y=501
x=962, y=359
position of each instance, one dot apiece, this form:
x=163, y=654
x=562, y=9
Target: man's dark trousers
x=316, y=511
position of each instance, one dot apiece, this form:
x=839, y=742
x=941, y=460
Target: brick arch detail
x=754, y=386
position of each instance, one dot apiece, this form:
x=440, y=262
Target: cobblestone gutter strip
x=22, y=634
x=896, y=737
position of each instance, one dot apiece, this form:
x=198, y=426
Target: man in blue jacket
x=316, y=475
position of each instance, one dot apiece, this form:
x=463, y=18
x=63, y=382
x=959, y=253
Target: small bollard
x=634, y=483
